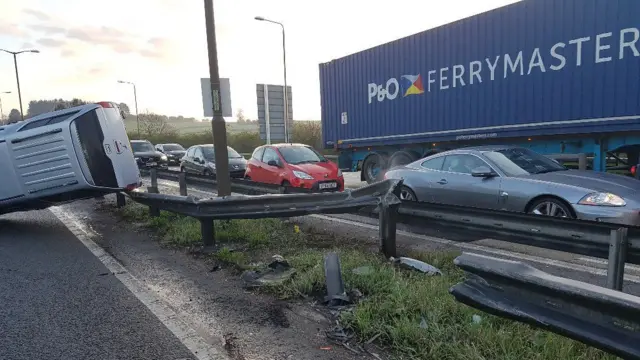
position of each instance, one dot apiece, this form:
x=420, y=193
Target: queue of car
x=492, y=177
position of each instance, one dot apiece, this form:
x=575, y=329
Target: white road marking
x=180, y=328
x=605, y=262
x=467, y=246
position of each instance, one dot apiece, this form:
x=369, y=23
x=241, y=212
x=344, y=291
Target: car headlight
x=339, y=172
x=136, y=158
x=212, y=165
x=602, y=199
x=302, y=175
x=163, y=157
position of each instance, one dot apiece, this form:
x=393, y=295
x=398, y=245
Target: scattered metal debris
x=413, y=264
x=276, y=273
x=339, y=334
x=363, y=270
x=336, y=296
x=423, y=323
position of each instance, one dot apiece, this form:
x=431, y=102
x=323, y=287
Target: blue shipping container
x=537, y=67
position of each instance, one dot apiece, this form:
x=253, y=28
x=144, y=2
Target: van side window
x=47, y=121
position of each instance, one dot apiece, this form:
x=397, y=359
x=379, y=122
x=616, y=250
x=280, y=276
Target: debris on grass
x=417, y=265
x=276, y=273
x=398, y=306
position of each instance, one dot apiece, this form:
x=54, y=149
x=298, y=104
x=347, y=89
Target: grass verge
x=411, y=314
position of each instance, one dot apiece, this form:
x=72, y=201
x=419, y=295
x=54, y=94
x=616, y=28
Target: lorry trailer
x=556, y=76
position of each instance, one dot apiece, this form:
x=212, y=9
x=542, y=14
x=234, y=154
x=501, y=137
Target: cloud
x=52, y=32
x=49, y=42
x=37, y=14
x=67, y=53
x=11, y=29
x=47, y=29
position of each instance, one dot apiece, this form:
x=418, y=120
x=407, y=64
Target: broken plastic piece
x=413, y=264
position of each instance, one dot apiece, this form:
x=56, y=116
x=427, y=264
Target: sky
x=160, y=45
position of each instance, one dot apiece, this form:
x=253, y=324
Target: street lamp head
x=5, y=92
x=34, y=51
x=121, y=82
x=259, y=18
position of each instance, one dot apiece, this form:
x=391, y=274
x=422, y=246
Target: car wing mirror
x=482, y=172
x=273, y=163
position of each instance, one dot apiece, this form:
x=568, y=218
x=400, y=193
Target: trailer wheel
x=400, y=158
x=373, y=167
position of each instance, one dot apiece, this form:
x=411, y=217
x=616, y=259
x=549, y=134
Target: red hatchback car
x=294, y=165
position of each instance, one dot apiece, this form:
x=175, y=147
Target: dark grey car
x=518, y=179
x=174, y=152
x=147, y=156
x=200, y=159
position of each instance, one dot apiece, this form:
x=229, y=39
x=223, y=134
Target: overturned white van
x=65, y=155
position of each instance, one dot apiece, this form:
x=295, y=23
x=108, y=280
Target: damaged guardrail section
x=383, y=195
x=237, y=185
x=600, y=317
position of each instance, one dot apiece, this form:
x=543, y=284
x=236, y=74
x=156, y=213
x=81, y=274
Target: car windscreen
x=520, y=161
x=142, y=147
x=210, y=153
x=300, y=155
x=172, y=147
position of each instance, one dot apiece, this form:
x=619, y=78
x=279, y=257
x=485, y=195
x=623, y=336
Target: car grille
x=148, y=159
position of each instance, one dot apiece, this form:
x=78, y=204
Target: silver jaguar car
x=521, y=180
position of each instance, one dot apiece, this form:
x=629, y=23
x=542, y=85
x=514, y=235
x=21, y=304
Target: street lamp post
x=15, y=63
x=2, y=112
x=135, y=99
x=218, y=126
x=284, y=63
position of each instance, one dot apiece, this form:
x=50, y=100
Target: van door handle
x=442, y=181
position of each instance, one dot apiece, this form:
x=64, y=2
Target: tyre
x=548, y=206
x=406, y=194
x=207, y=172
x=373, y=168
x=400, y=158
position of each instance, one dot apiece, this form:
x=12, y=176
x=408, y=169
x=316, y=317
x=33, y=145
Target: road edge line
x=167, y=316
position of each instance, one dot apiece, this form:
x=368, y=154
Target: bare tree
x=152, y=124
x=240, y=116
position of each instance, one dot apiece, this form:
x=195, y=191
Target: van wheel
x=207, y=173
x=181, y=168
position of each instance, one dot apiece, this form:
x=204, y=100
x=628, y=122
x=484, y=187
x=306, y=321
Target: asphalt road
x=58, y=301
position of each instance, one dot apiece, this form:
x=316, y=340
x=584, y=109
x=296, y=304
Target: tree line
x=159, y=128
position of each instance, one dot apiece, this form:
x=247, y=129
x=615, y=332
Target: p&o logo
x=412, y=85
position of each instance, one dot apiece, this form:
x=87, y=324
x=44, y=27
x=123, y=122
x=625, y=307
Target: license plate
x=328, y=185
x=152, y=164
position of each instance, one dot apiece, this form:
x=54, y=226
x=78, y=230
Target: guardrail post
x=388, y=217
x=120, y=200
x=617, y=258
x=208, y=232
x=153, y=189
x=182, y=180
x=153, y=173
x=582, y=161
